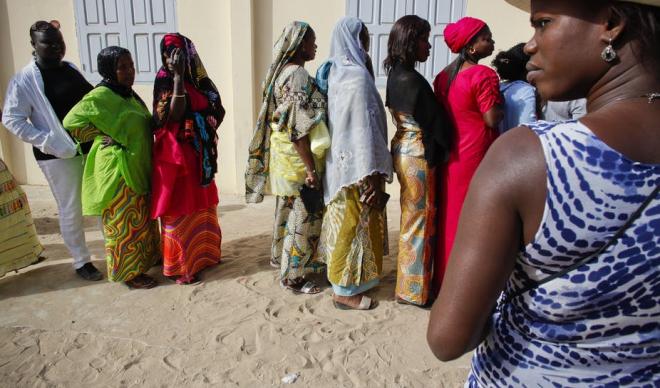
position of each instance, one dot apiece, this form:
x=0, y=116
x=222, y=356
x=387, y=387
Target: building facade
x=234, y=39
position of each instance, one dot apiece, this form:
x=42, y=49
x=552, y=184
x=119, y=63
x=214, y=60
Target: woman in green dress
x=117, y=172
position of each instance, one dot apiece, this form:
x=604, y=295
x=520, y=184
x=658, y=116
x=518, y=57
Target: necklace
x=650, y=98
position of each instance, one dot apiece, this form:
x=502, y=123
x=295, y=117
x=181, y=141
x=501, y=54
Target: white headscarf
x=356, y=115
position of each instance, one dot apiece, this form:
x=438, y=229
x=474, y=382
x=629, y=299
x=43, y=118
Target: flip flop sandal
x=274, y=263
x=141, y=282
x=307, y=287
x=366, y=303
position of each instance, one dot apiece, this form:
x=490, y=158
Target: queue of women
x=540, y=248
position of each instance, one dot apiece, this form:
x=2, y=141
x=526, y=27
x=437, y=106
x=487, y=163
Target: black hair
x=107, y=61
x=511, y=64
x=402, y=43
x=464, y=56
x=642, y=26
x=44, y=26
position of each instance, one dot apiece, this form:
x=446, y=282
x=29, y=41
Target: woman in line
x=287, y=151
x=520, y=104
x=117, y=173
x=541, y=223
x=187, y=111
x=471, y=94
x=353, y=236
x=419, y=147
x=19, y=244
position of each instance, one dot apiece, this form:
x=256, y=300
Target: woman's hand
x=373, y=189
x=107, y=141
x=312, y=180
x=211, y=121
x=177, y=61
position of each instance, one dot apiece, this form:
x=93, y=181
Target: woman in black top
x=420, y=144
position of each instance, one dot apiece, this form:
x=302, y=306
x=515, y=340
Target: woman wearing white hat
x=568, y=226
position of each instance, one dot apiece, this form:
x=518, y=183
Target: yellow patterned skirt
x=352, y=243
x=19, y=245
x=132, y=240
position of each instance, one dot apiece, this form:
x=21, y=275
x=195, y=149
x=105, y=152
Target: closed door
x=380, y=15
x=137, y=25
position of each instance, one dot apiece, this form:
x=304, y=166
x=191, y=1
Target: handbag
x=312, y=199
x=506, y=298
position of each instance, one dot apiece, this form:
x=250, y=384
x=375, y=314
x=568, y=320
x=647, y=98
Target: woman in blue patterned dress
x=563, y=194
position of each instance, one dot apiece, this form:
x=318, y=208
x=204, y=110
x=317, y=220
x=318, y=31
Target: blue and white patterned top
x=598, y=325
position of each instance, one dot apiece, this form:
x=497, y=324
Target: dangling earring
x=608, y=53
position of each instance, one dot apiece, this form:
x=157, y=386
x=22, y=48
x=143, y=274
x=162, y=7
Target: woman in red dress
x=187, y=111
x=470, y=92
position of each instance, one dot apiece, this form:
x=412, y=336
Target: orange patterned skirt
x=190, y=243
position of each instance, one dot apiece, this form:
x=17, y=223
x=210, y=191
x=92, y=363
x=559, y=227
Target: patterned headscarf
x=202, y=136
x=256, y=174
x=195, y=72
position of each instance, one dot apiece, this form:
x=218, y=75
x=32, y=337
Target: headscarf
x=193, y=127
x=458, y=35
x=195, y=72
x=256, y=174
x=356, y=116
x=107, y=60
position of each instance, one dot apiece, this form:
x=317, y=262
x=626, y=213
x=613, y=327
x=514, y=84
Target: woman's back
x=472, y=93
x=519, y=104
x=600, y=323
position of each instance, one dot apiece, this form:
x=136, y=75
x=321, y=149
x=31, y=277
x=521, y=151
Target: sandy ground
x=237, y=328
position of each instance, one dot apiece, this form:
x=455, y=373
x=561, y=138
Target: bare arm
x=494, y=116
x=503, y=193
x=178, y=102
x=303, y=147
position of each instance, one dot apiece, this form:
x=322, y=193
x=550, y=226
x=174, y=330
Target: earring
x=608, y=53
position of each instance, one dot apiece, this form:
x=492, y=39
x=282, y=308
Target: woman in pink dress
x=187, y=111
x=470, y=92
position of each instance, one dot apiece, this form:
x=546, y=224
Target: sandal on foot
x=188, y=280
x=274, y=263
x=141, y=282
x=366, y=303
x=426, y=306
x=301, y=286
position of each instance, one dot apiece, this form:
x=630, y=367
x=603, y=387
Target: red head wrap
x=459, y=34
x=173, y=40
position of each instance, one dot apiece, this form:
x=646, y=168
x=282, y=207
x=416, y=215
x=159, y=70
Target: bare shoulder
x=516, y=158
x=513, y=175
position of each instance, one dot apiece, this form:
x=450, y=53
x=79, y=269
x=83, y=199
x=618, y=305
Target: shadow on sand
x=240, y=258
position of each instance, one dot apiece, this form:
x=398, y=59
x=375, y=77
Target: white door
x=137, y=25
x=379, y=17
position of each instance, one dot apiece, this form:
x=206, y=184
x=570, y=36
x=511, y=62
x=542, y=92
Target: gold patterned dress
x=418, y=211
x=19, y=245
